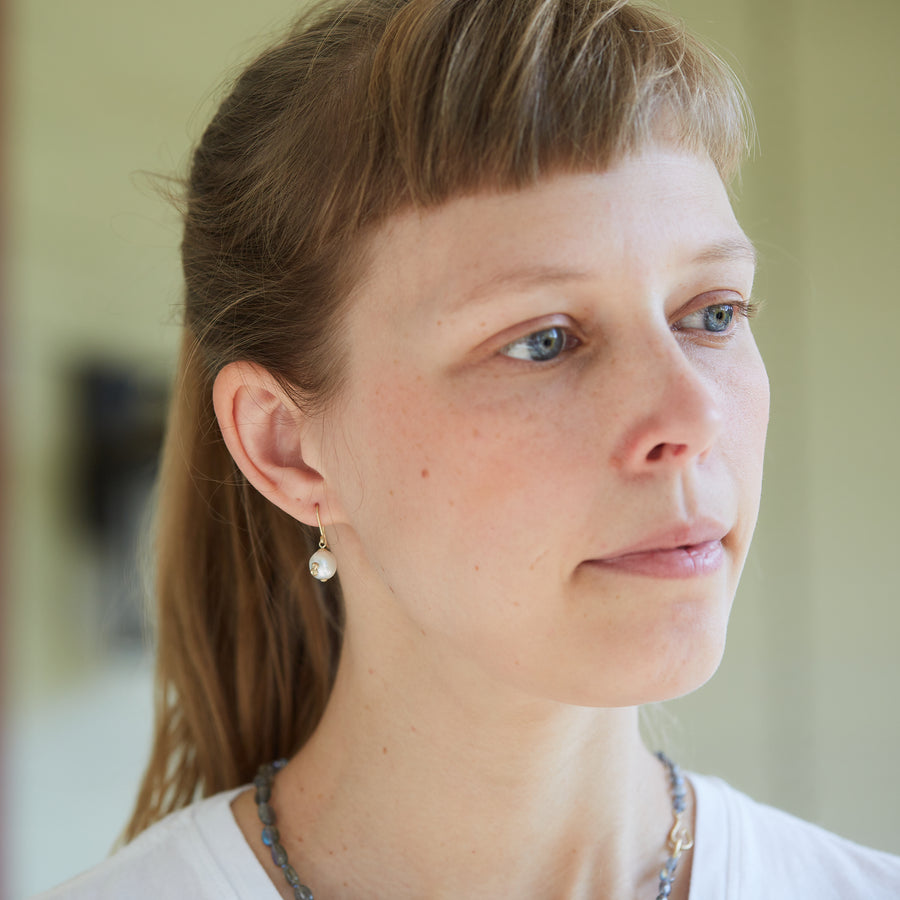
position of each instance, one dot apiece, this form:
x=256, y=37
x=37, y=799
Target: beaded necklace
x=678, y=840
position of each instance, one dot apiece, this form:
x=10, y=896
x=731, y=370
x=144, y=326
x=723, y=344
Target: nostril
x=660, y=449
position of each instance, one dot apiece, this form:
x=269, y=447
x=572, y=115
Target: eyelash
x=744, y=309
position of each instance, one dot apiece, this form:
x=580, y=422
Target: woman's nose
x=675, y=417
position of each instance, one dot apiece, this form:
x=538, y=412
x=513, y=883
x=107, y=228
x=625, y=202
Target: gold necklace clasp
x=680, y=838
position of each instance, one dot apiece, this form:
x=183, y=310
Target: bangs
x=494, y=94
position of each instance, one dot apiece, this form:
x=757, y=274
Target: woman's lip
x=688, y=561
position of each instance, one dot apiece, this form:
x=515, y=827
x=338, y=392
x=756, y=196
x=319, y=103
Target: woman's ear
x=270, y=439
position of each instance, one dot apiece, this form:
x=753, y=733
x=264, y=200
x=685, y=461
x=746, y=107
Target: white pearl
x=322, y=565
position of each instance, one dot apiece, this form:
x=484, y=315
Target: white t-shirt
x=743, y=850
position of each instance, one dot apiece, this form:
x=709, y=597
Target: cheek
x=751, y=411
x=743, y=446
x=467, y=486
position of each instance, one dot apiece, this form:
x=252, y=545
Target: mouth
x=684, y=551
x=689, y=561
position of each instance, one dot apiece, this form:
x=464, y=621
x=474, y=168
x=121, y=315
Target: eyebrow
x=739, y=249
x=521, y=279
x=736, y=248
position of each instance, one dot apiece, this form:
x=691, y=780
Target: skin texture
x=492, y=667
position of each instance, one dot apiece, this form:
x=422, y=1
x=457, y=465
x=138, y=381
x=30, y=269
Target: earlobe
x=268, y=438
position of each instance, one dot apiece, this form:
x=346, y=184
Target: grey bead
x=302, y=892
x=291, y=876
x=279, y=855
x=266, y=814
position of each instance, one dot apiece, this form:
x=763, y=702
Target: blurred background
x=804, y=710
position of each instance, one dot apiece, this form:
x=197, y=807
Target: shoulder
x=197, y=852
x=745, y=849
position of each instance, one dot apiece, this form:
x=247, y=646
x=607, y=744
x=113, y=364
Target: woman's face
x=550, y=392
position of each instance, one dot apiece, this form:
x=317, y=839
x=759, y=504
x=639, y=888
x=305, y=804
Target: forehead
x=648, y=215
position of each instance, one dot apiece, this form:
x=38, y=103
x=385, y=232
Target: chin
x=693, y=673
x=674, y=657
x=692, y=650
x=688, y=665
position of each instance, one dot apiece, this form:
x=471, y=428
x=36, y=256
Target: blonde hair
x=364, y=108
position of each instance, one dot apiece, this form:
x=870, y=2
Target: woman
x=466, y=319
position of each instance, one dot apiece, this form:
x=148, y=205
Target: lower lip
x=680, y=562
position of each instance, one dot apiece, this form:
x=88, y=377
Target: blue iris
x=718, y=318
x=540, y=346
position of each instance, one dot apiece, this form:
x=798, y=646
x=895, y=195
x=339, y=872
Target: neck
x=439, y=791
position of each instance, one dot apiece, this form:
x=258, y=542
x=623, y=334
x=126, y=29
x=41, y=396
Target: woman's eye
x=715, y=318
x=541, y=346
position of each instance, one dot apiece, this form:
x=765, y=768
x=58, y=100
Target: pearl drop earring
x=322, y=564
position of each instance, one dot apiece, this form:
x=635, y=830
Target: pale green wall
x=102, y=94
x=803, y=712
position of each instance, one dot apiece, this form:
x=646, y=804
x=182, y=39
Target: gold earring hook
x=323, y=543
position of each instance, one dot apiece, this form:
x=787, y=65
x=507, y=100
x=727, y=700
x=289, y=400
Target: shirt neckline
x=243, y=870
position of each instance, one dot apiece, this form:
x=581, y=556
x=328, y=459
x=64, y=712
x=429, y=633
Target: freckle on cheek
x=425, y=473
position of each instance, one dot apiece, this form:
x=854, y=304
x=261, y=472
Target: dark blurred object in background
x=120, y=415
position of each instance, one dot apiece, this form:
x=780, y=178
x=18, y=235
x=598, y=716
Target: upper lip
x=678, y=534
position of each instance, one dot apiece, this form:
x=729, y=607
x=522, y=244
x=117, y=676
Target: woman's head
x=367, y=130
